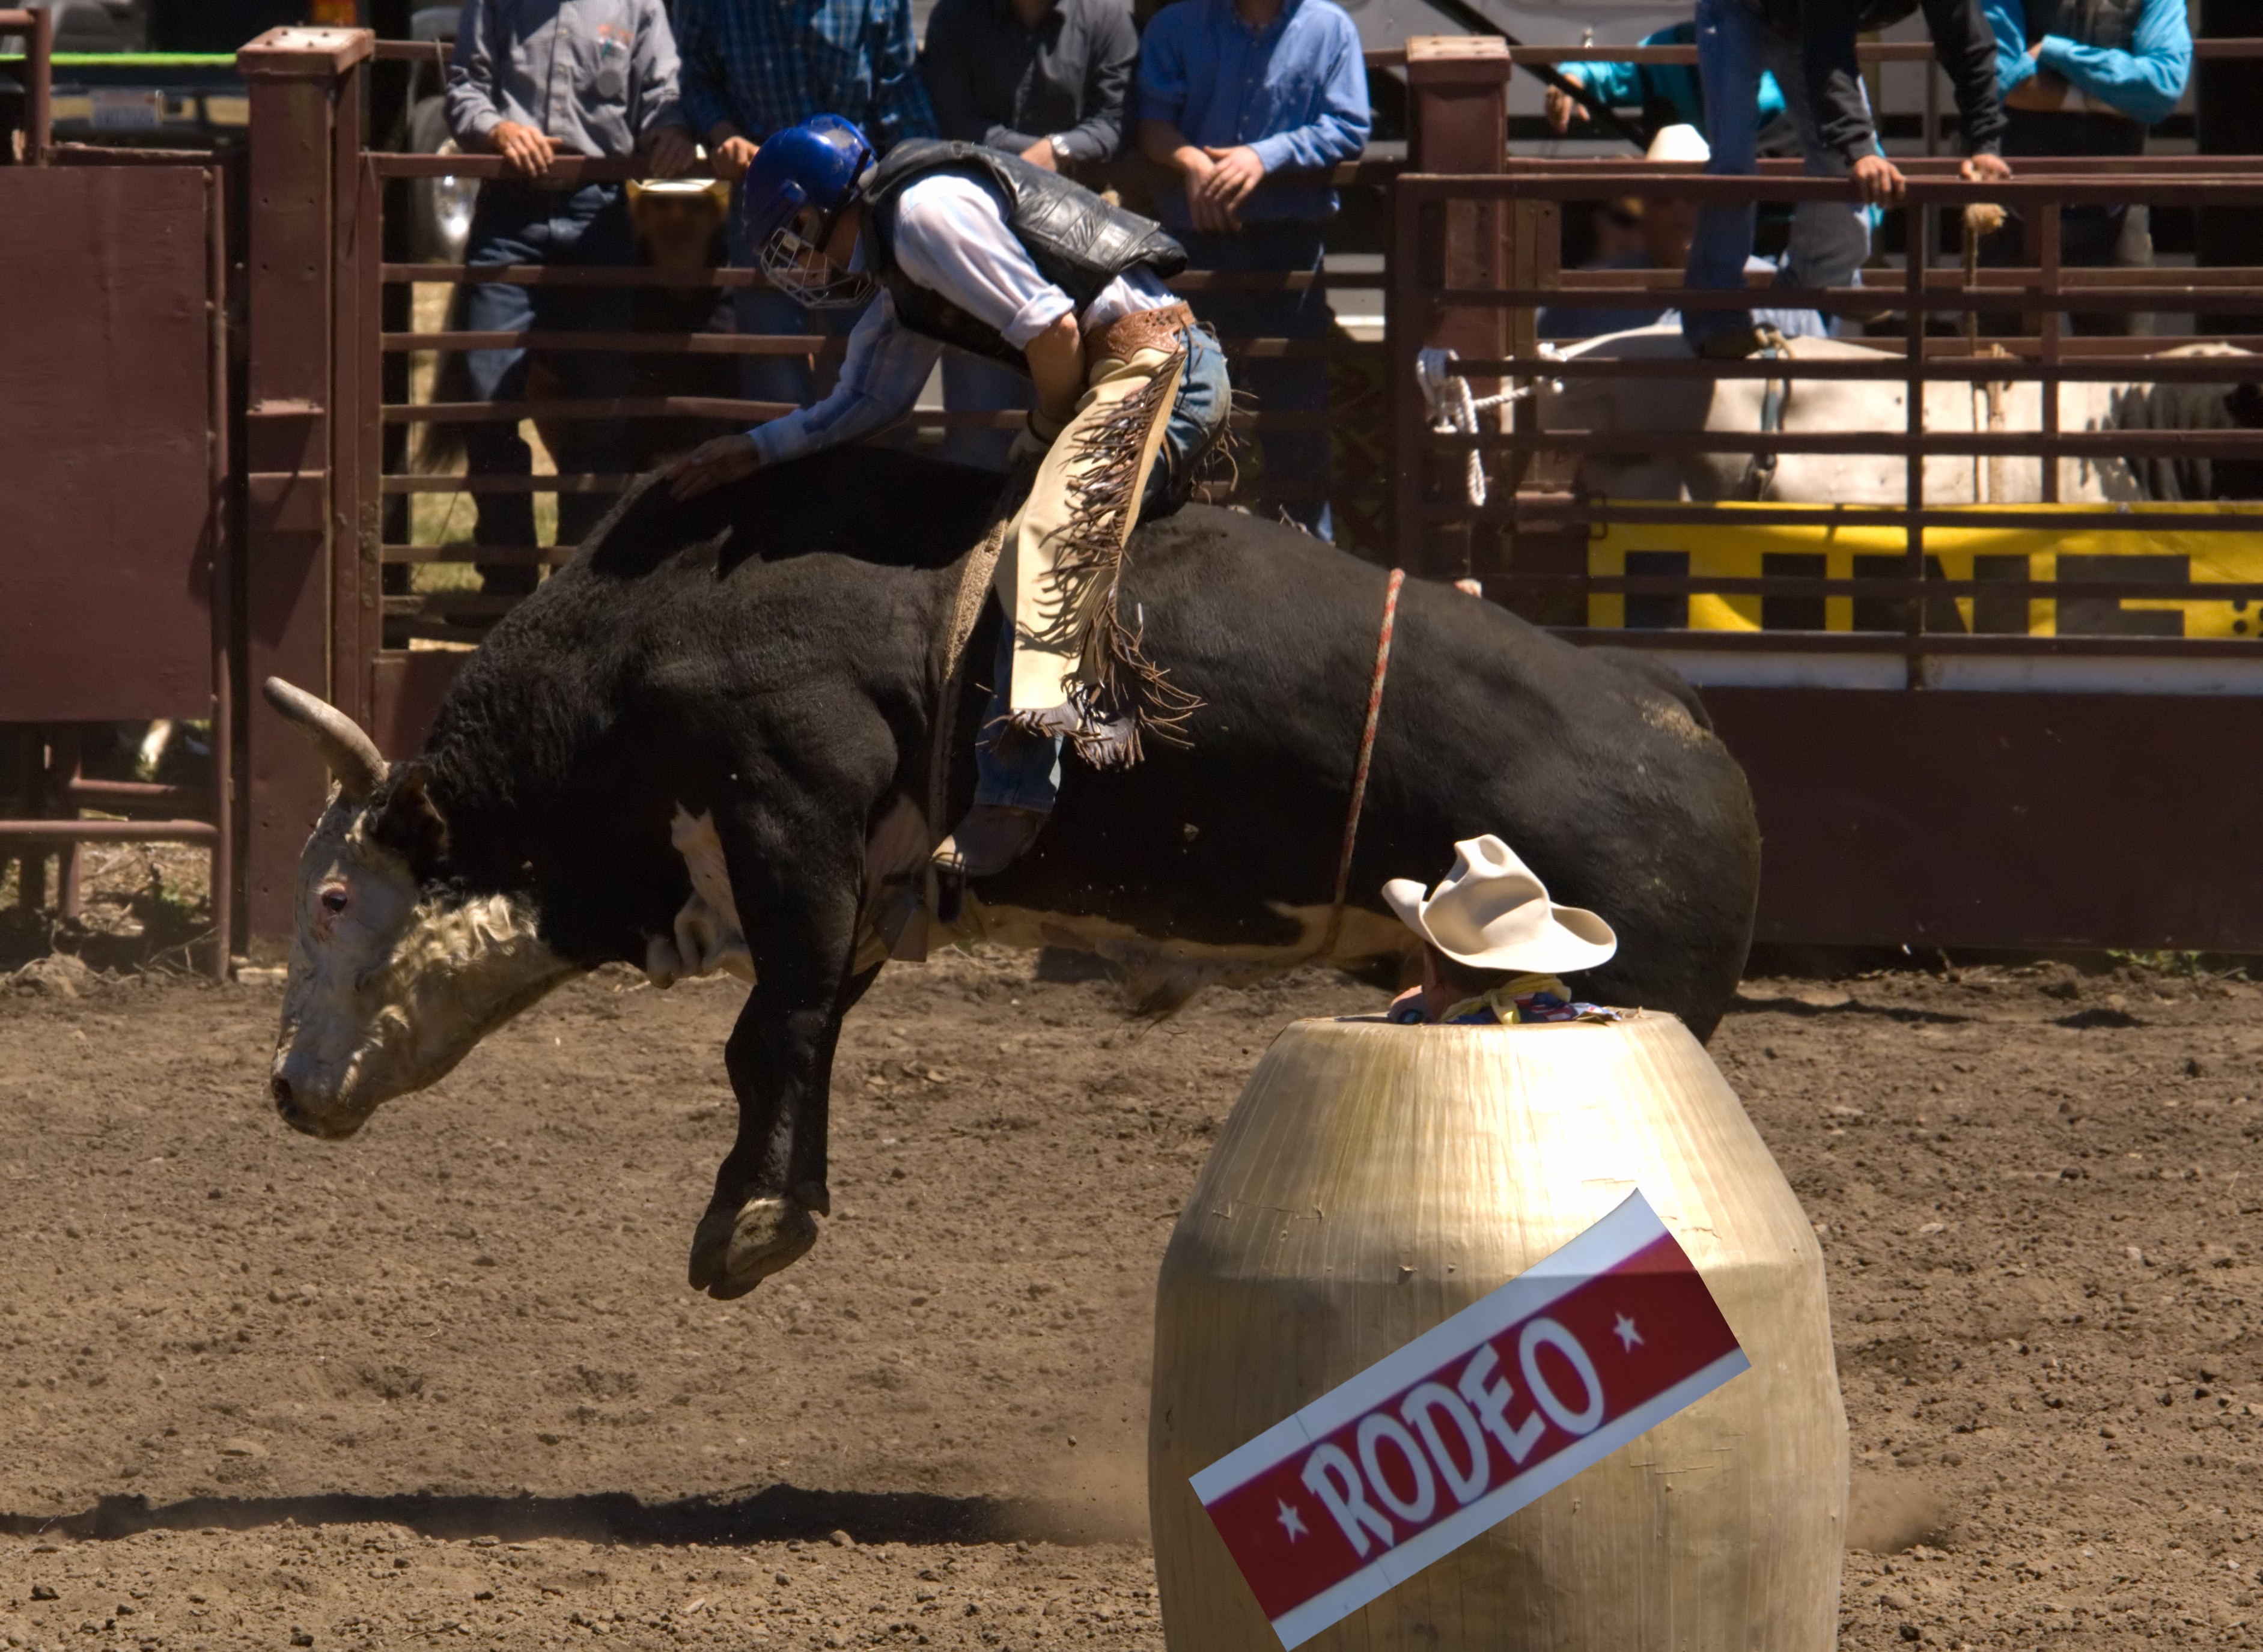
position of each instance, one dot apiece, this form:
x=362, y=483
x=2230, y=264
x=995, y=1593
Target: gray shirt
x=598, y=75
x=995, y=82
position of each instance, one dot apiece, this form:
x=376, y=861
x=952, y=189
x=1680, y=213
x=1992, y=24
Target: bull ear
x=410, y=823
x=352, y=756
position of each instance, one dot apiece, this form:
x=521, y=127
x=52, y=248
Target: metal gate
x=113, y=469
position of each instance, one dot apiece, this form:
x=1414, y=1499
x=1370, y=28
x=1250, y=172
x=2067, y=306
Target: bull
x=707, y=742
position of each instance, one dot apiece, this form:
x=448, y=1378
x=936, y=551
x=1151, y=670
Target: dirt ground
x=445, y=1382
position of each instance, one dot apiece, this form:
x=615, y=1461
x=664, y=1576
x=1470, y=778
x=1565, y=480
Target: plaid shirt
x=764, y=65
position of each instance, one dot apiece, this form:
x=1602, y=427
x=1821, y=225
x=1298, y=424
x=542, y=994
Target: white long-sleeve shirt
x=951, y=238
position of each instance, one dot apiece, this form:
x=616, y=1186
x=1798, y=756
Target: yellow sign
x=2151, y=549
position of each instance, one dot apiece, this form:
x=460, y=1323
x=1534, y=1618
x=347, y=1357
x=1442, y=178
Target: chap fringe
x=1120, y=694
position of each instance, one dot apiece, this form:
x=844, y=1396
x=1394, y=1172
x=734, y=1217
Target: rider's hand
x=1879, y=181
x=711, y=463
x=669, y=152
x=1985, y=169
x=732, y=158
x=1563, y=109
x=1237, y=172
x=528, y=151
x=1040, y=154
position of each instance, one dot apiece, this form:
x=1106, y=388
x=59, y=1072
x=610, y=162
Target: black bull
x=771, y=658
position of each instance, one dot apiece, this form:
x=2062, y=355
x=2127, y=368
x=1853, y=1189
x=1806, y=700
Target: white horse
x=1813, y=407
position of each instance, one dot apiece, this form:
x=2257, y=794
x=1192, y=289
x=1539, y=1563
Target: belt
x=1127, y=335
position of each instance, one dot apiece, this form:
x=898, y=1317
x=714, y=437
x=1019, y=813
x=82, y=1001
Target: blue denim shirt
x=1295, y=91
x=767, y=64
x=2144, y=82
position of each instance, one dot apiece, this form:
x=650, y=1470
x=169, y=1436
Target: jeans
x=1022, y=771
x=975, y=384
x=520, y=223
x=1296, y=462
x=1829, y=239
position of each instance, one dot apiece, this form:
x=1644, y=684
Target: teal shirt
x=2144, y=82
x=1640, y=85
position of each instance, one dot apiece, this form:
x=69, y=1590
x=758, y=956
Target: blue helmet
x=817, y=164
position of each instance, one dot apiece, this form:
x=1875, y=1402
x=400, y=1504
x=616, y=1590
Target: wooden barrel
x=1373, y=1181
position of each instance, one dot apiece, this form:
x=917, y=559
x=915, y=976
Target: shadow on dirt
x=1743, y=1005
x=774, y=1514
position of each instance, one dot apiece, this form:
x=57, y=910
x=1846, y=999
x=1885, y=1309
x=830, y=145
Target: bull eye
x=333, y=901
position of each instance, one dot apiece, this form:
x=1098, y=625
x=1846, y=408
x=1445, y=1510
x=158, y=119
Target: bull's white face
x=390, y=984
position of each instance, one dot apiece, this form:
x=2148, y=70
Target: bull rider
x=974, y=248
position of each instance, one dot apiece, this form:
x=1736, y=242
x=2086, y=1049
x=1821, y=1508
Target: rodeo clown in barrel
x=971, y=247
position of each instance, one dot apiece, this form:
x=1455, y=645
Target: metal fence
x=1493, y=256
x=1942, y=818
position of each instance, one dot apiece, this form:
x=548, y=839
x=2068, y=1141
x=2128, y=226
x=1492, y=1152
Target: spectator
x=1661, y=94
x=752, y=68
x=1047, y=80
x=1249, y=102
x=1662, y=225
x=1809, y=45
x=530, y=81
x=2088, y=78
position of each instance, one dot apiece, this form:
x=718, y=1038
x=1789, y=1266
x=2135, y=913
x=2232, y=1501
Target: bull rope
x=1334, y=931
x=1454, y=408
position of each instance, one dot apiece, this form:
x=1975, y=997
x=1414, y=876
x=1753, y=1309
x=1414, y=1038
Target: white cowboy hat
x=1492, y=914
x=1679, y=143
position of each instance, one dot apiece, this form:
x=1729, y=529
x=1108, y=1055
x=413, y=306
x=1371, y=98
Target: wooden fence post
x=1457, y=123
x=304, y=117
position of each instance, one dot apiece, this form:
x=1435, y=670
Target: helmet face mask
x=802, y=180
x=799, y=268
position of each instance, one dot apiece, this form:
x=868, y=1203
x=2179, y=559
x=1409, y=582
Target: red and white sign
x=1458, y=1429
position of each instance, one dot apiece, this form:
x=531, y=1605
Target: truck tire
x=439, y=208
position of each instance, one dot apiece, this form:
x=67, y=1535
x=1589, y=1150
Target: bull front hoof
x=734, y=1251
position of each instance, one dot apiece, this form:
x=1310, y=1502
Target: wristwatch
x=1059, y=146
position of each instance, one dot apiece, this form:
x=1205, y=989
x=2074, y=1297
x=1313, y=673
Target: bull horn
x=353, y=756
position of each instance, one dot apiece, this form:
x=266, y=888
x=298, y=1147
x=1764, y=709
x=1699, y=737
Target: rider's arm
x=886, y=367
x=1056, y=358
x=952, y=238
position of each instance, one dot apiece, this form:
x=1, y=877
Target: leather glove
x=1037, y=434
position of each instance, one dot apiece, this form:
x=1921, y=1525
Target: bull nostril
x=281, y=1091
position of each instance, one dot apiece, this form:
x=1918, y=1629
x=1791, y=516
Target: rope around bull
x=1334, y=930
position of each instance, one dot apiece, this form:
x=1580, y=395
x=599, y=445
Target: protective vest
x=1078, y=242
x=2111, y=25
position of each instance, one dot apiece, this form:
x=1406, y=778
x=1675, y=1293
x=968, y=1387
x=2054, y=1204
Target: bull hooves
x=736, y=1251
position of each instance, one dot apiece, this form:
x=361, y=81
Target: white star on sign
x=1292, y=1522
x=1629, y=1338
